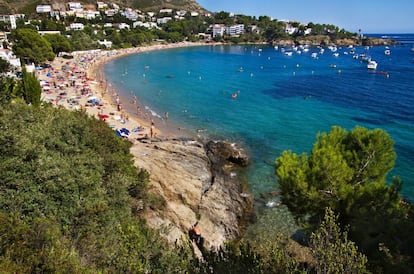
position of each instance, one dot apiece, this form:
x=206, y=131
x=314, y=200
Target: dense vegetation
x=347, y=172
x=71, y=198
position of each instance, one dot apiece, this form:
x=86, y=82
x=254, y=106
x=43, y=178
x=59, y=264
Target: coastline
x=71, y=83
x=197, y=181
x=121, y=109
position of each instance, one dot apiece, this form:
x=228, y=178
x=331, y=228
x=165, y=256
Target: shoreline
x=182, y=169
x=80, y=84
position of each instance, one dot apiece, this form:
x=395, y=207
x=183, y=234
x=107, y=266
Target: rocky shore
x=327, y=40
x=195, y=182
x=199, y=183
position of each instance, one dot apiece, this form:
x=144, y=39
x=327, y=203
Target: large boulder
x=199, y=183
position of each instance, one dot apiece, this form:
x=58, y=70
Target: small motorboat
x=372, y=65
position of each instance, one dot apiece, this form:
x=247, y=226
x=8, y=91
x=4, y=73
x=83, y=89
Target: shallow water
x=282, y=101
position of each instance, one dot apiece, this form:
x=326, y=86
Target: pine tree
x=332, y=251
x=30, y=89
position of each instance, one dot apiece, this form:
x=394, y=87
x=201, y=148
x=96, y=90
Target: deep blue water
x=282, y=101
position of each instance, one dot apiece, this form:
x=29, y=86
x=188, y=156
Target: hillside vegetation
x=29, y=6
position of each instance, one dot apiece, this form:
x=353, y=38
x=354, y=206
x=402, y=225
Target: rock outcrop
x=327, y=40
x=199, y=184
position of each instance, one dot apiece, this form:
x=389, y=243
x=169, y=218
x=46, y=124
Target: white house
x=307, y=31
x=194, y=14
x=75, y=6
x=235, y=30
x=107, y=25
x=9, y=57
x=130, y=14
x=181, y=13
x=290, y=30
x=7, y=18
x=11, y=19
x=167, y=11
x=13, y=22
x=107, y=44
x=111, y=12
x=76, y=26
x=218, y=30
x=91, y=14
x=101, y=5
x=163, y=20
x=123, y=26
x=43, y=8
x=148, y=25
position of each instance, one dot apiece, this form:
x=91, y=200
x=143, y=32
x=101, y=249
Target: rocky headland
x=199, y=183
x=327, y=40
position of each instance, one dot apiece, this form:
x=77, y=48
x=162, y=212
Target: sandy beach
x=79, y=83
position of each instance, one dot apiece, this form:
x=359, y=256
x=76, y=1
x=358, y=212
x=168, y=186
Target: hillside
x=29, y=6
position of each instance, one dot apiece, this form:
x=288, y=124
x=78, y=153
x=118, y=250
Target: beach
x=79, y=83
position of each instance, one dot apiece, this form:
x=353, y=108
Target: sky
x=371, y=16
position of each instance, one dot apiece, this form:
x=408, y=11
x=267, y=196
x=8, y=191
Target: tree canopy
x=332, y=251
x=4, y=66
x=341, y=166
x=347, y=172
x=59, y=43
x=31, y=46
x=67, y=190
x=29, y=88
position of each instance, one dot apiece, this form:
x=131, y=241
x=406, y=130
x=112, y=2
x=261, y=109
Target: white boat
x=387, y=52
x=365, y=58
x=372, y=64
x=314, y=55
x=336, y=54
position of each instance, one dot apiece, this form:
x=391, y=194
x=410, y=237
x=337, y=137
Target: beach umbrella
x=103, y=116
x=123, y=132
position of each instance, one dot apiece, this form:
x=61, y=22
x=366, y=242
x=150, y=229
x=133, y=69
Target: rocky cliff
x=199, y=183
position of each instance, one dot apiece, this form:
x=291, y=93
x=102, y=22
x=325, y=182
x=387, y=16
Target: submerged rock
x=198, y=184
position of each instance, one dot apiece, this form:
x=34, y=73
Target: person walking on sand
x=152, y=130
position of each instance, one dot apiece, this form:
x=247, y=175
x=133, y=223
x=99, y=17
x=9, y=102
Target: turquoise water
x=282, y=101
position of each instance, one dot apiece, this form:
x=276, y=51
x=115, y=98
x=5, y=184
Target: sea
x=271, y=99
